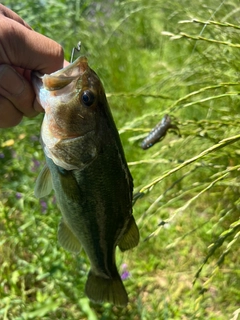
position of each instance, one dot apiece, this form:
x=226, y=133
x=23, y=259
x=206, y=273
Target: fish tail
x=100, y=289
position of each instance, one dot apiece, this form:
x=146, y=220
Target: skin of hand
x=21, y=51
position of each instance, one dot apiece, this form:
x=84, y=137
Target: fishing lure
x=159, y=132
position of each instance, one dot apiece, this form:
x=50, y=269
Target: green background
x=153, y=57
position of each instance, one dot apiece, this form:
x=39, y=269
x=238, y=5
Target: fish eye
x=88, y=97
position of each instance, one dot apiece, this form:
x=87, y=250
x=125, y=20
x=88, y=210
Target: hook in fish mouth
x=77, y=48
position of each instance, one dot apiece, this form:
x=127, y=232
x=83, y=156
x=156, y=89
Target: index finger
x=12, y=15
x=20, y=46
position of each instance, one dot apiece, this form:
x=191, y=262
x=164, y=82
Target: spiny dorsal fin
x=43, y=183
x=67, y=239
x=130, y=238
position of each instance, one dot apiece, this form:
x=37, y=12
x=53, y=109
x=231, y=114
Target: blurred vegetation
x=154, y=57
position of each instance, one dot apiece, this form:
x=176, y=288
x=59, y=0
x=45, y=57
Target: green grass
x=154, y=58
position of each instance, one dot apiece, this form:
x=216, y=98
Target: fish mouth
x=61, y=78
x=60, y=84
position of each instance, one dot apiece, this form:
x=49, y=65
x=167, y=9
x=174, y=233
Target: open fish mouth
x=61, y=83
x=61, y=78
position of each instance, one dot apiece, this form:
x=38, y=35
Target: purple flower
x=43, y=206
x=18, y=195
x=125, y=273
x=2, y=155
x=35, y=165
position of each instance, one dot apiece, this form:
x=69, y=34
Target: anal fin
x=67, y=239
x=130, y=238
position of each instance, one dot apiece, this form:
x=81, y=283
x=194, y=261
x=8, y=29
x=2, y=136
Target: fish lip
x=36, y=78
x=81, y=63
x=37, y=74
x=61, y=78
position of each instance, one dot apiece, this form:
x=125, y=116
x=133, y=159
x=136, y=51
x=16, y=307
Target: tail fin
x=99, y=289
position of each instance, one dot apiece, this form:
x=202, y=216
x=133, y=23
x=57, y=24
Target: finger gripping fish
x=86, y=167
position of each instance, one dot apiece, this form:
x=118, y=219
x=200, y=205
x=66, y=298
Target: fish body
x=86, y=167
x=158, y=132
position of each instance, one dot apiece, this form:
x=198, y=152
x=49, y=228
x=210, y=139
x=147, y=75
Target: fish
x=87, y=169
x=159, y=132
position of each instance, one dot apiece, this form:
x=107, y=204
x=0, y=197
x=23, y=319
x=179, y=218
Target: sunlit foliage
x=154, y=57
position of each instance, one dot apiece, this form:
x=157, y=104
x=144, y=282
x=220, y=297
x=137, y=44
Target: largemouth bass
x=86, y=167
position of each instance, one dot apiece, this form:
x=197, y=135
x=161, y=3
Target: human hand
x=21, y=51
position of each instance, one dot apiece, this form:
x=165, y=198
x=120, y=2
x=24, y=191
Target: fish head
x=70, y=98
x=73, y=99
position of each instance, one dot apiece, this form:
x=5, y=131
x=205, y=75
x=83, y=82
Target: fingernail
x=10, y=80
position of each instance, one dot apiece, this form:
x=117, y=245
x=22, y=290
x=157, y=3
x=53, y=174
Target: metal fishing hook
x=77, y=48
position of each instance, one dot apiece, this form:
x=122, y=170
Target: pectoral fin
x=130, y=238
x=43, y=183
x=67, y=239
